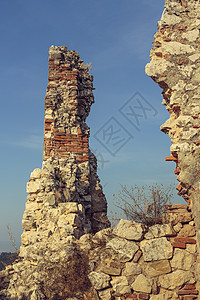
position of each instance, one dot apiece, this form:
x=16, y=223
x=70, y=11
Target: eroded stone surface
x=124, y=249
x=129, y=230
x=142, y=284
x=176, y=279
x=182, y=260
x=99, y=280
x=156, y=249
x=157, y=268
x=120, y=285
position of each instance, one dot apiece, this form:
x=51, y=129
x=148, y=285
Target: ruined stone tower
x=65, y=198
x=70, y=165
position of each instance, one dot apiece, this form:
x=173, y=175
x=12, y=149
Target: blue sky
x=115, y=36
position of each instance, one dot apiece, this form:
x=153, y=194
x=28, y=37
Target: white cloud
x=30, y=142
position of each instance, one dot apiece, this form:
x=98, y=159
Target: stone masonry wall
x=175, y=66
x=132, y=261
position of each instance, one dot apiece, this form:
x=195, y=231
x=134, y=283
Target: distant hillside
x=7, y=258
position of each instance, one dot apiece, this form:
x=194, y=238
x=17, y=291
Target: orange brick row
x=61, y=144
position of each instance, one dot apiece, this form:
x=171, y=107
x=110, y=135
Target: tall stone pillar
x=65, y=198
x=175, y=67
x=70, y=165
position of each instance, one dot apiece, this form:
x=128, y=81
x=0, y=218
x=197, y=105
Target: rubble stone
x=156, y=249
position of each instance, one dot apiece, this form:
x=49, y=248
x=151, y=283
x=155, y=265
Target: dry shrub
x=66, y=279
x=12, y=239
x=145, y=204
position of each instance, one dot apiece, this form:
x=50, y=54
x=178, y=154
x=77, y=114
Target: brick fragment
x=129, y=296
x=188, y=292
x=137, y=256
x=185, y=240
x=143, y=296
x=171, y=158
x=189, y=287
x=188, y=297
x=179, y=245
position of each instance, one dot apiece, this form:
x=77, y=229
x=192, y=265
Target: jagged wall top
x=67, y=105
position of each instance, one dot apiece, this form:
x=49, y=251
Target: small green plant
x=144, y=204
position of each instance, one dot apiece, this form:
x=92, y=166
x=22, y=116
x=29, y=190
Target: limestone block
x=165, y=296
x=36, y=174
x=148, y=235
x=51, y=199
x=36, y=295
x=183, y=121
x=191, y=35
x=176, y=218
x=99, y=280
x=187, y=231
x=142, y=284
x=105, y=294
x=159, y=297
x=156, y=249
x=73, y=219
x=159, y=230
x=30, y=205
x=169, y=19
x=176, y=279
x=27, y=224
x=177, y=48
x=85, y=242
x=29, y=237
x=195, y=77
x=103, y=235
x=69, y=207
x=132, y=269
x=181, y=147
x=157, y=67
x=129, y=230
x=120, y=285
x=111, y=267
x=194, y=57
x=124, y=249
x=157, y=268
x=192, y=248
x=169, y=124
x=182, y=260
x=189, y=134
x=185, y=70
x=68, y=229
x=34, y=187
x=190, y=87
x=177, y=227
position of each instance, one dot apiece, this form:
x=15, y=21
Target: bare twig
x=12, y=239
x=144, y=204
